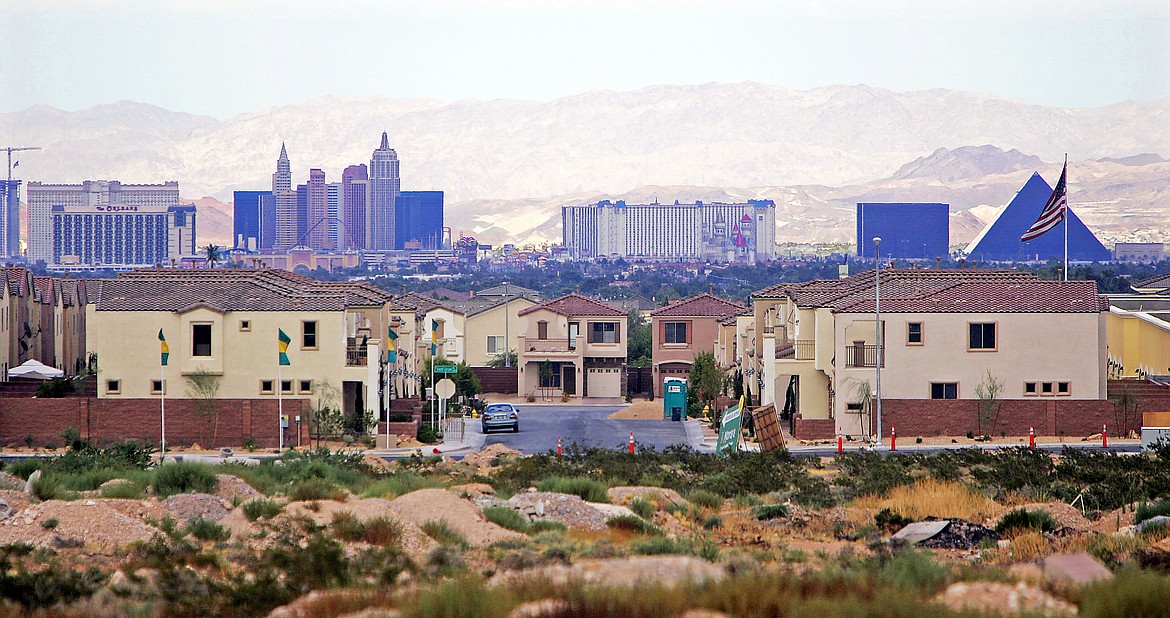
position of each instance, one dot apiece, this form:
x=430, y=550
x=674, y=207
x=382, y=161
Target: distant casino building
x=120, y=236
x=9, y=218
x=744, y=233
x=420, y=218
x=908, y=230
x=77, y=198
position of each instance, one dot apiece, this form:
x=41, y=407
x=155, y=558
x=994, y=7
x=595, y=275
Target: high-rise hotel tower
x=384, y=185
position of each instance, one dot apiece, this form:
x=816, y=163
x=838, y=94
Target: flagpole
x=1067, y=215
x=279, y=406
x=162, y=370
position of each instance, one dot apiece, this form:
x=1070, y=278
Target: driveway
x=586, y=425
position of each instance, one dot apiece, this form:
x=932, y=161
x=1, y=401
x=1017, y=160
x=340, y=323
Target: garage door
x=605, y=382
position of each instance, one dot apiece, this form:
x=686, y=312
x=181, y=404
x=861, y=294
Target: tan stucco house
x=574, y=345
x=683, y=329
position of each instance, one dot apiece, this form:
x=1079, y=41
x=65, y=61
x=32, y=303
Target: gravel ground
x=571, y=510
x=1067, y=516
x=8, y=481
x=100, y=524
x=185, y=507
x=414, y=541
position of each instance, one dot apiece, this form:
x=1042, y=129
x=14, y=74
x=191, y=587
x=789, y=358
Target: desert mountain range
x=507, y=166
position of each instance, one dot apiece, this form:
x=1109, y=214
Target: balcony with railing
x=355, y=352
x=533, y=346
x=801, y=350
x=862, y=356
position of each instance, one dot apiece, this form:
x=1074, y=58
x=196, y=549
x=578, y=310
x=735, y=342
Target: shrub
x=915, y=570
x=705, y=499
x=1150, y=510
x=1131, y=593
x=764, y=512
x=444, y=561
x=659, y=545
x=507, y=518
x=55, y=388
x=25, y=467
x=441, y=532
x=182, y=478
x=49, y=524
x=130, y=490
x=537, y=526
x=1025, y=520
x=588, y=489
x=382, y=531
x=427, y=434
x=398, y=484
x=261, y=508
x=207, y=530
x=633, y=523
x=891, y=521
x=347, y=527
x=712, y=522
x=49, y=487
x=641, y=507
x=316, y=489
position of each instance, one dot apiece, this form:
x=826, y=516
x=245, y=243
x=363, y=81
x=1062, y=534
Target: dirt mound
x=414, y=540
x=461, y=515
x=473, y=490
x=958, y=534
x=662, y=570
x=657, y=495
x=233, y=488
x=487, y=457
x=570, y=510
x=639, y=411
x=1069, y=518
x=185, y=507
x=99, y=524
x=997, y=598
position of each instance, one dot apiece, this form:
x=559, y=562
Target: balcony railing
x=805, y=349
x=862, y=356
x=532, y=345
x=355, y=353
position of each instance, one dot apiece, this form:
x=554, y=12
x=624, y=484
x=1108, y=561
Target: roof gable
x=705, y=304
x=576, y=304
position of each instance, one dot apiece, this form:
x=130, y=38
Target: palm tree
x=214, y=255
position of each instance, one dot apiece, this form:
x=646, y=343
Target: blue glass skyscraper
x=419, y=218
x=907, y=230
x=246, y=229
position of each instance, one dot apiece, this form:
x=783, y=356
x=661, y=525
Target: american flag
x=1053, y=213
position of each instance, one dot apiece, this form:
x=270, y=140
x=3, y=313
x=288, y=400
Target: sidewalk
x=472, y=440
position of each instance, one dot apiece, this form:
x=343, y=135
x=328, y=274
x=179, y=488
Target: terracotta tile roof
x=513, y=290
x=1023, y=296
x=576, y=304
x=729, y=320
x=704, y=304
x=233, y=289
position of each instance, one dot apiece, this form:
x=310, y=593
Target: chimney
x=962, y=263
x=937, y=263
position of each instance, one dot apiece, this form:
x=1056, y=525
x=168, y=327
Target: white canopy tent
x=35, y=370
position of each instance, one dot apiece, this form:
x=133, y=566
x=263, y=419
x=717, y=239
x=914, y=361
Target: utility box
x=674, y=399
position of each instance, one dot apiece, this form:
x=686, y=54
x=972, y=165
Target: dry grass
x=931, y=498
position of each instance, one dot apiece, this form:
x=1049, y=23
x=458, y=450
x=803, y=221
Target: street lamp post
x=877, y=306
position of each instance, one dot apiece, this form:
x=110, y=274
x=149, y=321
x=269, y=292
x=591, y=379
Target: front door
x=569, y=379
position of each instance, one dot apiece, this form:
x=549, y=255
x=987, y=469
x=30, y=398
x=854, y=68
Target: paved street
x=541, y=424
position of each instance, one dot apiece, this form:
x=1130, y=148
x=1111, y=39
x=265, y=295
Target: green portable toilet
x=674, y=399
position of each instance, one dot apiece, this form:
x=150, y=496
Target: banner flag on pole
x=434, y=337
x=282, y=346
x=166, y=349
x=391, y=345
x=1054, y=210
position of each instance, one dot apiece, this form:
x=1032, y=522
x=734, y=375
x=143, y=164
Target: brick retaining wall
x=503, y=380
x=108, y=420
x=956, y=417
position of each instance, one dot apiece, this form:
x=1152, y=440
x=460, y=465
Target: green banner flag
x=729, y=429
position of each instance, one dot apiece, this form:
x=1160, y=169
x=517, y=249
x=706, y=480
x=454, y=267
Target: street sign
x=446, y=369
x=729, y=430
x=445, y=388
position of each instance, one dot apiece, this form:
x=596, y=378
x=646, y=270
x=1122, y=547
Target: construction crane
x=12, y=149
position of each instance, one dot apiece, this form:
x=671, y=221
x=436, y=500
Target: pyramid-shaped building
x=1000, y=240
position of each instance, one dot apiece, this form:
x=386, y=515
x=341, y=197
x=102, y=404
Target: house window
x=1046, y=388
x=542, y=330
x=113, y=386
x=286, y=387
x=156, y=387
x=309, y=334
x=550, y=375
x=981, y=336
x=245, y=326
x=306, y=386
x=914, y=333
x=495, y=344
x=267, y=387
x=200, y=340
x=944, y=390
x=675, y=332
x=1063, y=388
x=1030, y=388
x=603, y=332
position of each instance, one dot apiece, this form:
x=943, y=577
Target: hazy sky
x=223, y=57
